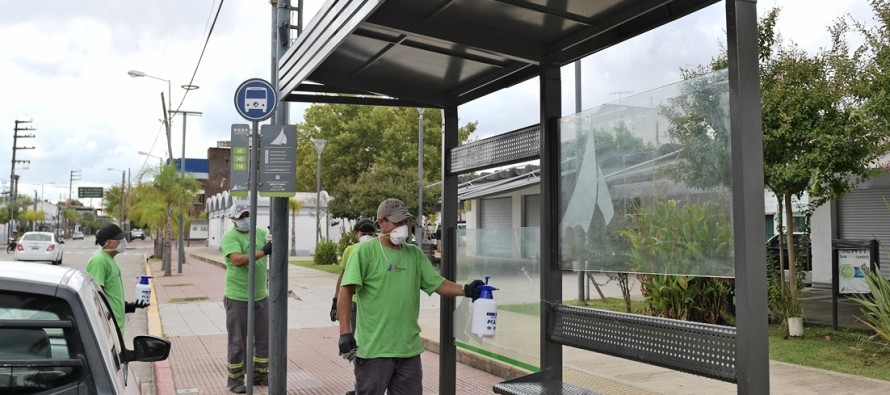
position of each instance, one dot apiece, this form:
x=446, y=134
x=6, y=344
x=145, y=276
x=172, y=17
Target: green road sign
x=90, y=192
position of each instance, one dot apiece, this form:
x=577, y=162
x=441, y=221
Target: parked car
x=137, y=234
x=77, y=236
x=39, y=246
x=58, y=335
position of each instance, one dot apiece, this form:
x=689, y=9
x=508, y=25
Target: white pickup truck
x=58, y=335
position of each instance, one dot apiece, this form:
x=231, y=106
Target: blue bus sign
x=255, y=99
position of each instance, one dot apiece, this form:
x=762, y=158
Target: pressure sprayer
x=485, y=311
x=143, y=290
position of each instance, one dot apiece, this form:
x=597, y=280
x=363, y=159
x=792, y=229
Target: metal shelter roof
x=432, y=53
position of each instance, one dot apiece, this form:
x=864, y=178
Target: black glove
x=267, y=249
x=131, y=307
x=346, y=343
x=334, y=311
x=471, y=290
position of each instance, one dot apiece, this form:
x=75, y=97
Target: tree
x=116, y=196
x=822, y=121
x=157, y=200
x=367, y=138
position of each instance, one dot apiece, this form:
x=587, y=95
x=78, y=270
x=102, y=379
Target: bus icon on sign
x=255, y=98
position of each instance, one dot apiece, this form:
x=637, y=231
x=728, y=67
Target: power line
x=201, y=57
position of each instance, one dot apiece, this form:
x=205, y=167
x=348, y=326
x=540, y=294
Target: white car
x=39, y=246
x=58, y=335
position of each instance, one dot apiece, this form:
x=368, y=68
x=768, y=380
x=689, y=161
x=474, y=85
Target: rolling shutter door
x=532, y=211
x=496, y=213
x=864, y=215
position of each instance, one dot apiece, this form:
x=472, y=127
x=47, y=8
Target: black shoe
x=350, y=392
x=261, y=380
x=239, y=389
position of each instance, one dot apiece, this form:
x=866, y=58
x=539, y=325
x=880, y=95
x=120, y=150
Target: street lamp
x=319, y=148
x=181, y=256
x=160, y=160
x=167, y=120
x=419, y=234
x=123, y=192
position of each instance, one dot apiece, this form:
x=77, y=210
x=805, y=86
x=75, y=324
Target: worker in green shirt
x=107, y=274
x=387, y=274
x=236, y=249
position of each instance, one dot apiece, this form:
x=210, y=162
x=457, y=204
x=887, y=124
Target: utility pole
x=281, y=34
x=74, y=176
x=13, y=178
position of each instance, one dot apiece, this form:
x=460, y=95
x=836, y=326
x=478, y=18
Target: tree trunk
x=167, y=242
x=789, y=225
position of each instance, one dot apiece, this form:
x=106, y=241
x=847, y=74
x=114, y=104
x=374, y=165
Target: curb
x=163, y=375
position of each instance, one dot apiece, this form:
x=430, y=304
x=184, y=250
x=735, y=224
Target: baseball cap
x=394, y=210
x=239, y=208
x=109, y=232
x=365, y=225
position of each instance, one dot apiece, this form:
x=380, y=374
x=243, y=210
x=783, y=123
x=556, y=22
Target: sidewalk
x=191, y=315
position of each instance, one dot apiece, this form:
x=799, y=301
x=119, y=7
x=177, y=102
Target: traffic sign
x=239, y=171
x=89, y=192
x=278, y=160
x=255, y=99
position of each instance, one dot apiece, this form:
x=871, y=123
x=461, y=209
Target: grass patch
x=333, y=269
x=845, y=350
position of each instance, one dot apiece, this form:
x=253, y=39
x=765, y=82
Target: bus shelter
x=445, y=53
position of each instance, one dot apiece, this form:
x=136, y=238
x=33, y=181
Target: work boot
x=261, y=380
x=239, y=389
x=350, y=392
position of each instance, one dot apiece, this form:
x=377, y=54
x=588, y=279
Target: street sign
x=255, y=99
x=90, y=192
x=278, y=160
x=239, y=172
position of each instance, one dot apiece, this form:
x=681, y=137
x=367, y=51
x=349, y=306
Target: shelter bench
x=701, y=349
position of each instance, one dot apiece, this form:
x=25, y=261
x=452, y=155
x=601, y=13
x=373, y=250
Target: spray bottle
x=485, y=312
x=143, y=290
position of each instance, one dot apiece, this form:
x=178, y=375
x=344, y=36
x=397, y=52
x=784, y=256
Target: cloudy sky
x=64, y=64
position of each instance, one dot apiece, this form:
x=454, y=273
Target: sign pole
x=255, y=100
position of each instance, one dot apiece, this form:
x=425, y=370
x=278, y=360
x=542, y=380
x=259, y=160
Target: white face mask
x=242, y=224
x=365, y=238
x=121, y=246
x=399, y=235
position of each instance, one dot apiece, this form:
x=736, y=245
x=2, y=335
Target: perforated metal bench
x=701, y=349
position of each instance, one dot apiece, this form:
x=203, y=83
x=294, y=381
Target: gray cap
x=239, y=207
x=394, y=210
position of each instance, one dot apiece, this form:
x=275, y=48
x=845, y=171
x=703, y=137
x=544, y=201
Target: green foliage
x=362, y=139
x=876, y=306
x=669, y=237
x=325, y=253
x=347, y=238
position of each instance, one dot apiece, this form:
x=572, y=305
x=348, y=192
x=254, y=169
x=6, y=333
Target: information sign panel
x=239, y=172
x=278, y=160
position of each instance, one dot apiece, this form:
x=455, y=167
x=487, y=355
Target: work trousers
x=236, y=325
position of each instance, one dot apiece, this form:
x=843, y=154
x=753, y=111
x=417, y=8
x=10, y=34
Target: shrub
x=876, y=306
x=326, y=253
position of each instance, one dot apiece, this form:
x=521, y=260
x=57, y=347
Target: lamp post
x=160, y=160
x=419, y=234
x=181, y=254
x=167, y=120
x=319, y=148
x=123, y=192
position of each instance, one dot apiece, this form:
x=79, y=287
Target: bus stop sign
x=255, y=99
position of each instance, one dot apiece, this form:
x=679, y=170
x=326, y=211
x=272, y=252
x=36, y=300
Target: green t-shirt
x=237, y=277
x=346, y=253
x=107, y=274
x=387, y=283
